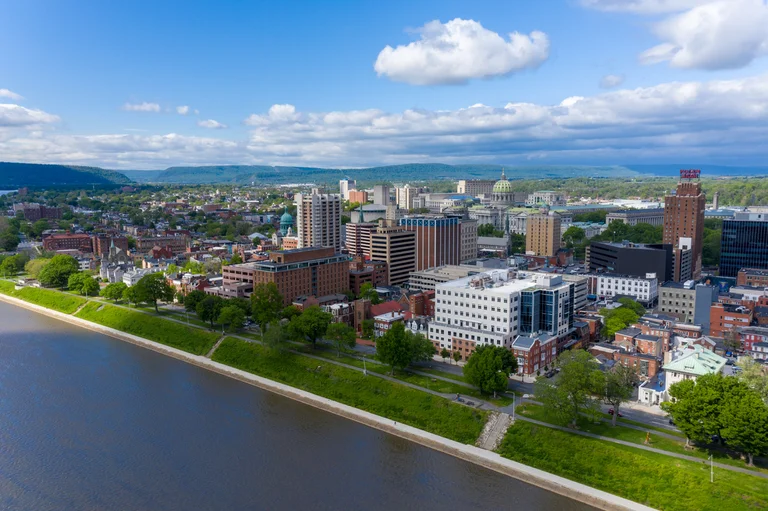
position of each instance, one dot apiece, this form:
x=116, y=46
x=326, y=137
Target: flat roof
x=503, y=282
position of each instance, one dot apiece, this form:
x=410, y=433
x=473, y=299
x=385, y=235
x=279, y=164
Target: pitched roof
x=696, y=360
x=386, y=307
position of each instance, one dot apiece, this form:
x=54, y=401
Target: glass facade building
x=744, y=243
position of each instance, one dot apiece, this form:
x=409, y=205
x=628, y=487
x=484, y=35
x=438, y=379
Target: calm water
x=88, y=422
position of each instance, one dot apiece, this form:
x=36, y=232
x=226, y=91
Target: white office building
x=345, y=185
x=644, y=289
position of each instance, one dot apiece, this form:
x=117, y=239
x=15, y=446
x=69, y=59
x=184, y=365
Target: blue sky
x=100, y=83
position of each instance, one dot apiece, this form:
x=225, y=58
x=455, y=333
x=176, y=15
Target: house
x=383, y=322
x=534, y=354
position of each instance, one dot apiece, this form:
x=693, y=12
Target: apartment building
x=684, y=216
x=395, y=246
x=57, y=242
x=359, y=238
x=176, y=244
x=468, y=240
x=318, y=220
x=643, y=289
x=438, y=239
x=543, y=234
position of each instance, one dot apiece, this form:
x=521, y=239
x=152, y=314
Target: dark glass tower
x=744, y=243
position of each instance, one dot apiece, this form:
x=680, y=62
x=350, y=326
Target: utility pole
x=513, y=407
x=711, y=468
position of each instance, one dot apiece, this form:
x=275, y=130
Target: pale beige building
x=397, y=247
x=543, y=234
x=468, y=240
x=318, y=219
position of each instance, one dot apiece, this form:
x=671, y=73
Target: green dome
x=502, y=186
x=286, y=218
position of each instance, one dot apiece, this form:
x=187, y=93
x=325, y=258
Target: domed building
x=502, y=194
x=286, y=223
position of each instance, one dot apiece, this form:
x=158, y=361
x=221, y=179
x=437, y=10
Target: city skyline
x=145, y=86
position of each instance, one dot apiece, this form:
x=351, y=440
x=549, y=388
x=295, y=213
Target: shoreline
x=490, y=460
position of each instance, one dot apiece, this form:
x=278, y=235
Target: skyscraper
x=345, y=185
x=395, y=246
x=381, y=195
x=438, y=239
x=744, y=243
x=684, y=216
x=318, y=219
x=543, y=234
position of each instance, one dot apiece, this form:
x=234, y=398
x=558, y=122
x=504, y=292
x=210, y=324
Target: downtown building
x=631, y=259
x=543, y=234
x=498, y=308
x=395, y=246
x=744, y=244
x=684, y=218
x=345, y=186
x=318, y=220
x=438, y=240
x=652, y=216
x=475, y=187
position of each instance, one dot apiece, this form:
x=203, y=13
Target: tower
x=684, y=216
x=318, y=220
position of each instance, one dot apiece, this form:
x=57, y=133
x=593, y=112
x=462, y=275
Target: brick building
x=176, y=244
x=56, y=242
x=102, y=242
x=33, y=211
x=724, y=318
x=753, y=277
x=366, y=272
x=684, y=216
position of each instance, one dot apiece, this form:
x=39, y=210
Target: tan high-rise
x=543, y=234
x=318, y=220
x=397, y=247
x=684, y=217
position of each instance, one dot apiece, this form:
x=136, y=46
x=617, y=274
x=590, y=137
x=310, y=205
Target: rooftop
x=696, y=360
x=505, y=281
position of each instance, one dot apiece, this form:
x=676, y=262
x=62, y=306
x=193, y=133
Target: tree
x=422, y=348
x=192, y=299
x=732, y=340
x=573, y=236
x=236, y=259
x=754, y=376
x=618, y=384
x=745, y=424
x=242, y=303
x=232, y=317
x=368, y=292
x=82, y=283
x=114, y=291
x=393, y=348
x=368, y=327
x=342, y=335
x=632, y=305
x=9, y=267
x=34, y=266
x=456, y=356
x=132, y=295
x=571, y=394
x=154, y=287
x=620, y=317
x=275, y=336
x=266, y=304
x=209, y=308
x=57, y=271
x=517, y=243
x=9, y=241
x=445, y=354
x=311, y=324
x=290, y=312
x=488, y=368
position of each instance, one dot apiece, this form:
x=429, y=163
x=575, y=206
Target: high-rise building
x=404, y=196
x=684, y=216
x=475, y=187
x=438, y=239
x=543, y=234
x=395, y=246
x=631, y=259
x=359, y=238
x=345, y=185
x=381, y=195
x=468, y=240
x=744, y=243
x=318, y=220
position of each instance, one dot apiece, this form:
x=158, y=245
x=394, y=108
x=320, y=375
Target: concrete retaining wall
x=490, y=460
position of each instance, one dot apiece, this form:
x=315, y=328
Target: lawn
x=638, y=437
x=652, y=479
x=381, y=397
x=48, y=298
x=192, y=340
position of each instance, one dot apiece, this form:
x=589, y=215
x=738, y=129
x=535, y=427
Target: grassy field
x=638, y=437
x=48, y=298
x=396, y=402
x=652, y=479
x=192, y=340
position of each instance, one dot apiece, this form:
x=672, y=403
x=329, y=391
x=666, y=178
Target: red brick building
x=753, y=277
x=534, y=354
x=54, y=242
x=724, y=318
x=102, y=242
x=684, y=216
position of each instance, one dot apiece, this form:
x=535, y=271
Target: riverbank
x=493, y=461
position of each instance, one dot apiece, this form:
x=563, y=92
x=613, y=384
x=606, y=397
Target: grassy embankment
x=399, y=403
x=48, y=298
x=652, y=479
x=191, y=340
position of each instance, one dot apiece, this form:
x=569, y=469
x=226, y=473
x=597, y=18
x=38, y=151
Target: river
x=90, y=422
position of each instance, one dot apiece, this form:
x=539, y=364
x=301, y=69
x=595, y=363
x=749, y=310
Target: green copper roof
x=696, y=360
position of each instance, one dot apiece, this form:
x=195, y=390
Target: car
x=527, y=396
x=611, y=412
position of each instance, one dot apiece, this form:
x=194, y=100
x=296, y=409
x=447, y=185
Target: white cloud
x=182, y=110
x=642, y=6
x=611, y=81
x=5, y=93
x=210, y=123
x=16, y=116
x=724, y=34
x=459, y=50
x=141, y=107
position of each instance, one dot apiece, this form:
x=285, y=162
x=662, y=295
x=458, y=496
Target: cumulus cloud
x=642, y=6
x=16, y=116
x=5, y=93
x=141, y=107
x=459, y=50
x=724, y=34
x=611, y=81
x=211, y=124
x=182, y=110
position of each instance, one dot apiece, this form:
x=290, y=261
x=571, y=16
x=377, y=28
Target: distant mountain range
x=15, y=175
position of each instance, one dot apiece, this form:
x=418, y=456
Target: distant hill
x=673, y=170
x=14, y=175
x=246, y=174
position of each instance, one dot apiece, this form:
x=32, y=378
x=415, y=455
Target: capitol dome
x=286, y=222
x=502, y=194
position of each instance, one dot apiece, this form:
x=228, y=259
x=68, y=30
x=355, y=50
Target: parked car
x=611, y=412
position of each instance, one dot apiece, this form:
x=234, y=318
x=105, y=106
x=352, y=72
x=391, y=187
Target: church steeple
x=362, y=218
x=503, y=174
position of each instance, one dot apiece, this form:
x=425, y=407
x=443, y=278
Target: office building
x=427, y=280
x=744, y=243
x=546, y=198
x=688, y=301
x=752, y=277
x=438, y=239
x=475, y=187
x=684, y=216
x=396, y=247
x=33, y=211
x=318, y=220
x=313, y=271
x=725, y=318
x=381, y=195
x=496, y=307
x=654, y=216
x=345, y=186
x=359, y=196
x=174, y=244
x=642, y=289
x=543, y=234
x=469, y=240
x=57, y=242
x=405, y=196
x=580, y=286
x=358, y=240
x=366, y=272
x=631, y=259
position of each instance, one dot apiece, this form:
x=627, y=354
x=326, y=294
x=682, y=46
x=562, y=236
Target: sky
x=149, y=85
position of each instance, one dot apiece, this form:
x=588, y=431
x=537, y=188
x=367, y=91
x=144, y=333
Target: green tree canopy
x=266, y=304
x=83, y=283
x=153, y=288
x=571, y=393
x=208, y=308
x=34, y=266
x=311, y=324
x=744, y=419
x=399, y=347
x=192, y=298
x=114, y=291
x=489, y=367
x=368, y=292
x=275, y=336
x=618, y=386
x=232, y=317
x=56, y=273
x=342, y=336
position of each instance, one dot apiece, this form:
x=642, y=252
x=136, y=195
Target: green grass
x=652, y=479
x=444, y=374
x=192, y=340
x=381, y=397
x=648, y=426
x=638, y=437
x=48, y=298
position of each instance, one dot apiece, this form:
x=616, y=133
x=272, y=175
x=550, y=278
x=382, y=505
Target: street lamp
x=711, y=468
x=365, y=370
